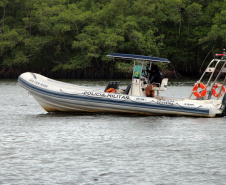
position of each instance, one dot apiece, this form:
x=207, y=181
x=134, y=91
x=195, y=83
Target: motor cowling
x=224, y=104
x=224, y=100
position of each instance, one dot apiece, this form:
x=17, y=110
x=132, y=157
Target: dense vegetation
x=71, y=38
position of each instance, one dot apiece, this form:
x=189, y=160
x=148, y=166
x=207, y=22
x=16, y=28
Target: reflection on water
x=41, y=148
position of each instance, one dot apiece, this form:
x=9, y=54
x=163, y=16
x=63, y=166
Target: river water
x=41, y=148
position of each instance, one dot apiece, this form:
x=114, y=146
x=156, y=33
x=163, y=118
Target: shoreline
x=81, y=74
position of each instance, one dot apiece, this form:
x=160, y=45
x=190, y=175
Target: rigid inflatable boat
x=206, y=99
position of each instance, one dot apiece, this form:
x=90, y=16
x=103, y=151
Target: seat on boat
x=127, y=89
x=112, y=84
x=162, y=87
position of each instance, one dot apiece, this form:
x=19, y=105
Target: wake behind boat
x=206, y=100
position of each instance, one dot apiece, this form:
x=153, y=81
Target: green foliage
x=194, y=13
x=218, y=30
x=215, y=39
x=68, y=34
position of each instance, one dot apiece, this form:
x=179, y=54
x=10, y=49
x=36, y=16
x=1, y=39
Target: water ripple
x=41, y=148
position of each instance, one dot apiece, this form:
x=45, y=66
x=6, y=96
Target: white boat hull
x=57, y=96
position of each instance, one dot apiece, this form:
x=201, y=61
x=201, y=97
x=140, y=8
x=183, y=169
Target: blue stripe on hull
x=116, y=102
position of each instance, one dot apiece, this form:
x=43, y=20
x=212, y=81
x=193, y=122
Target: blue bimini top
x=138, y=57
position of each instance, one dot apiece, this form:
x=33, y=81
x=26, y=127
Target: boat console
x=140, y=79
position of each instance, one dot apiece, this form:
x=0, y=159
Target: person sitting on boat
x=155, y=79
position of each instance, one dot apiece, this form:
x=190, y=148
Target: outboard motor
x=224, y=104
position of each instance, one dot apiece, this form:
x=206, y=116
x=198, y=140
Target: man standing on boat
x=155, y=79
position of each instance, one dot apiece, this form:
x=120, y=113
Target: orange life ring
x=199, y=94
x=214, y=90
x=110, y=90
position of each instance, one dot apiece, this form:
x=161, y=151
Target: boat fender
x=218, y=86
x=201, y=93
x=110, y=90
